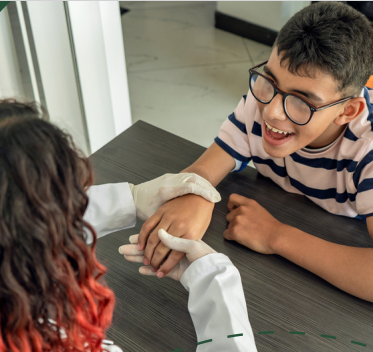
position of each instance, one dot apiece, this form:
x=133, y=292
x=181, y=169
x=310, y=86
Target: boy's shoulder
x=357, y=142
x=361, y=128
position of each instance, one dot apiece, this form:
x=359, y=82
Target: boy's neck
x=327, y=137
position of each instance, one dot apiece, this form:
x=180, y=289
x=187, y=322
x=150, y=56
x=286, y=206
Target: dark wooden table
x=151, y=314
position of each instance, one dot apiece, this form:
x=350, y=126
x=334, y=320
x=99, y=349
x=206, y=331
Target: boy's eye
x=269, y=78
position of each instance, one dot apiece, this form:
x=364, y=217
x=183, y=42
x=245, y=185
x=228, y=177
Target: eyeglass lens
x=263, y=90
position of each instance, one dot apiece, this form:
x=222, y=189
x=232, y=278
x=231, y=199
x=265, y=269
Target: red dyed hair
x=47, y=271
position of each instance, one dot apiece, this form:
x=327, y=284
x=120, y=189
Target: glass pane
x=297, y=109
x=261, y=88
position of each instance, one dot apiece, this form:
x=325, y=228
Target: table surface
x=151, y=314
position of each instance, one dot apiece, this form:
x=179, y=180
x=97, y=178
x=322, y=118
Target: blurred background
x=98, y=67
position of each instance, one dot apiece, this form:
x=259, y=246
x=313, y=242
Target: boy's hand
x=149, y=196
x=187, y=217
x=251, y=225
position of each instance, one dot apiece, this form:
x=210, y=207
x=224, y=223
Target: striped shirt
x=338, y=178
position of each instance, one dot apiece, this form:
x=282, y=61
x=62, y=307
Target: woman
x=50, y=295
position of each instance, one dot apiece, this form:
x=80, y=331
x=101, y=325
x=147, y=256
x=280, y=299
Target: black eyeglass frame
x=312, y=107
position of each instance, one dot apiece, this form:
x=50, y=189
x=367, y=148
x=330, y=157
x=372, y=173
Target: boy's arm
x=187, y=216
x=213, y=165
x=348, y=268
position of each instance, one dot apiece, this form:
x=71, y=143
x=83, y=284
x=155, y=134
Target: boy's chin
x=279, y=151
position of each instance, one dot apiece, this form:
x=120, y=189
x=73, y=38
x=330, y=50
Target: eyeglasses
x=296, y=108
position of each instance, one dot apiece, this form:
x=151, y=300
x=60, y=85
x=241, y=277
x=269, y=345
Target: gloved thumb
x=193, y=249
x=176, y=243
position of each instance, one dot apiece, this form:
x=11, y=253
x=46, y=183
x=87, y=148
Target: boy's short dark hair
x=332, y=37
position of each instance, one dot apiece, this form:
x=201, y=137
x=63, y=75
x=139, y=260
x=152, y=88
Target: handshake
x=151, y=195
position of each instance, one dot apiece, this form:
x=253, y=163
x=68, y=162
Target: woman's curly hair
x=50, y=295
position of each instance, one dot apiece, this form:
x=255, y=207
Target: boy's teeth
x=275, y=129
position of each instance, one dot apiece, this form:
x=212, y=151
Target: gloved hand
x=193, y=249
x=149, y=196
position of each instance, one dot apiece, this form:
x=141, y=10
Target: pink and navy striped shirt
x=338, y=178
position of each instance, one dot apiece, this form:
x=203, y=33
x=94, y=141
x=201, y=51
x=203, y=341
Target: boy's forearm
x=203, y=172
x=348, y=268
x=213, y=165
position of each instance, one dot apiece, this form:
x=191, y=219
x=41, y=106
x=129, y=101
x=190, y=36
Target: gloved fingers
x=134, y=239
x=135, y=258
x=145, y=270
x=130, y=249
x=176, y=185
x=198, y=180
x=199, y=250
x=193, y=183
x=173, y=259
x=209, y=193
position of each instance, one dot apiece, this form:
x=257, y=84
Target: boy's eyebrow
x=307, y=94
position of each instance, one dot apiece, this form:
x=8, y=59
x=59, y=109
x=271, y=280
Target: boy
x=306, y=123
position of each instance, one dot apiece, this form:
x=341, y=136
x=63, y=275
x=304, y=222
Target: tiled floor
x=184, y=75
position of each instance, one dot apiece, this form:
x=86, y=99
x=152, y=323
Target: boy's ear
x=352, y=109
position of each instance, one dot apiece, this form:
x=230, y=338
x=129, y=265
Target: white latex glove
x=149, y=196
x=193, y=249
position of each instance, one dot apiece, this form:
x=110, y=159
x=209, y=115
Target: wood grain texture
x=151, y=314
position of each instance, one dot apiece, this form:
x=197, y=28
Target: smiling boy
x=307, y=123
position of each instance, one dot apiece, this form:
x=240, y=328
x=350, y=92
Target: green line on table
x=229, y=336
x=359, y=343
x=329, y=337
x=272, y=332
x=200, y=343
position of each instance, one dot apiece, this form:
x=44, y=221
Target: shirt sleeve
x=233, y=136
x=363, y=180
x=110, y=208
x=217, y=305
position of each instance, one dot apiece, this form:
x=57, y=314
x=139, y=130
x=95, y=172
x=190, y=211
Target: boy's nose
x=275, y=109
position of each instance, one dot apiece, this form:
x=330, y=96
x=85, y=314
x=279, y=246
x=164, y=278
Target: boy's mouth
x=275, y=133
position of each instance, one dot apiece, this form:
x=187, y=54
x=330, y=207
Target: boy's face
x=320, y=130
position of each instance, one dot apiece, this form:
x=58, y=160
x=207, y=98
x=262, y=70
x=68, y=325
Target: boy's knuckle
x=232, y=196
x=235, y=231
x=152, y=240
x=253, y=202
x=159, y=252
x=239, y=219
x=179, y=226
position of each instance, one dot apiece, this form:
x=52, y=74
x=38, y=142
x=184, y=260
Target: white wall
x=52, y=45
x=101, y=68
x=10, y=77
x=116, y=64
x=97, y=34
x=270, y=14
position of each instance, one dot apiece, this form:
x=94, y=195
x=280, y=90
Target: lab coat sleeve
x=217, y=305
x=111, y=348
x=110, y=208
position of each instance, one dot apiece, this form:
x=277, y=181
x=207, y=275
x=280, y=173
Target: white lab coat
x=216, y=299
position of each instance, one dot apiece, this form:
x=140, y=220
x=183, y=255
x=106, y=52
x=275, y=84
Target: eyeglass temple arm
x=253, y=68
x=337, y=102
